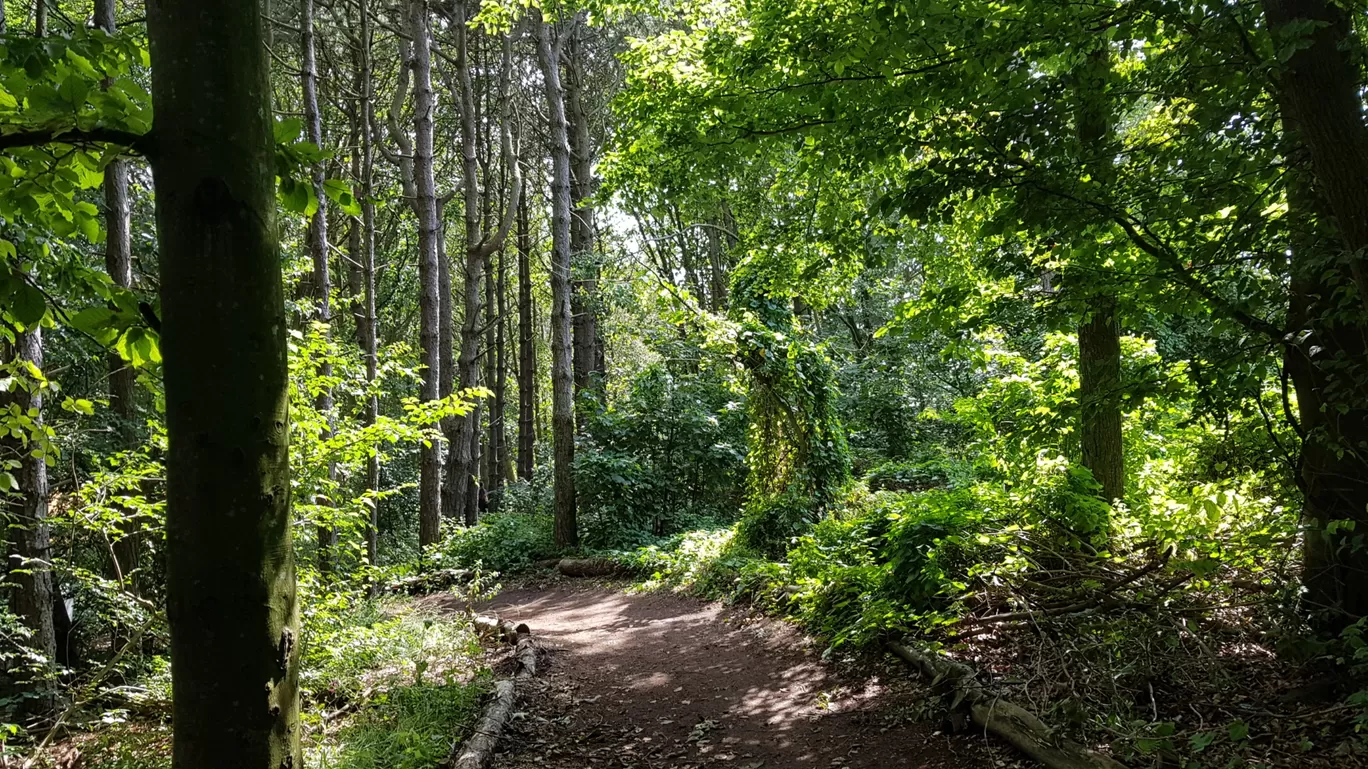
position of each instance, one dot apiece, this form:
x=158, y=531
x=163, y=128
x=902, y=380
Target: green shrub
x=353, y=645
x=504, y=542
x=407, y=727
x=909, y=475
x=668, y=457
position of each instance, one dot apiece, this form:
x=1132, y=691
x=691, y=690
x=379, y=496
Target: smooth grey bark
x=527, y=351
x=588, y=343
x=429, y=263
x=230, y=561
x=318, y=253
x=562, y=374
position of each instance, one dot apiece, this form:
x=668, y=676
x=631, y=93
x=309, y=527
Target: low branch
x=141, y=143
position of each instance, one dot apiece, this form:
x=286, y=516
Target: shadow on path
x=653, y=681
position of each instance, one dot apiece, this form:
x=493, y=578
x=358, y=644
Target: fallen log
x=592, y=567
x=1014, y=724
x=477, y=750
x=489, y=626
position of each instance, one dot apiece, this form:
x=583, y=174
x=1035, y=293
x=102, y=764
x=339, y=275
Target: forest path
x=648, y=681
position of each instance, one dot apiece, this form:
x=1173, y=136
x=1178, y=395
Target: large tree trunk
x=429, y=264
x=588, y=344
x=230, y=562
x=1322, y=109
x=1099, y=334
x=562, y=374
x=122, y=378
x=527, y=351
x=29, y=568
x=318, y=253
x=1099, y=397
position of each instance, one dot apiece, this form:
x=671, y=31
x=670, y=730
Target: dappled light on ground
x=660, y=681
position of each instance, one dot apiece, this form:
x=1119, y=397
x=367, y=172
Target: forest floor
x=648, y=681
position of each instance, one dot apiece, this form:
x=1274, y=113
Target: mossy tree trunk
x=230, y=562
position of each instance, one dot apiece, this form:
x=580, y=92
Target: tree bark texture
x=230, y=561
x=122, y=378
x=429, y=263
x=363, y=250
x=318, y=253
x=562, y=374
x=527, y=351
x=29, y=566
x=588, y=344
x=1099, y=334
x=1322, y=113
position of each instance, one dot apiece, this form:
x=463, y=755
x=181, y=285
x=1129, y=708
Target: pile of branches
x=1159, y=659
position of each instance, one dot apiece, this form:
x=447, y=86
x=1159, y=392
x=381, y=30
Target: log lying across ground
x=476, y=751
x=591, y=567
x=1013, y=723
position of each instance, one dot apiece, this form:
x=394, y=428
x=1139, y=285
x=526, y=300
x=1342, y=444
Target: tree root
x=1017, y=726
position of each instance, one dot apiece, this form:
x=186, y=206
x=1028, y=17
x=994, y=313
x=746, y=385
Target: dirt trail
x=653, y=681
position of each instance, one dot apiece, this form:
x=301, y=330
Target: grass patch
x=407, y=727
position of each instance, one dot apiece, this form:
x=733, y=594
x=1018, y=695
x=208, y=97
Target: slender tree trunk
x=584, y=298
x=527, y=351
x=363, y=250
x=122, y=378
x=429, y=264
x=490, y=474
x=717, y=266
x=230, y=561
x=500, y=414
x=562, y=353
x=318, y=252
x=464, y=438
x=1322, y=112
x=40, y=18
x=478, y=248
x=29, y=568
x=1099, y=334
x=453, y=501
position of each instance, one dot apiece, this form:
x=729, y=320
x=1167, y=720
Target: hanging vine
x=796, y=446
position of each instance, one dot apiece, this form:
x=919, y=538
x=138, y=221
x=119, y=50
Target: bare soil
x=649, y=681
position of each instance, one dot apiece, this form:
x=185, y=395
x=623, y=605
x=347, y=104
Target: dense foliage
x=1032, y=332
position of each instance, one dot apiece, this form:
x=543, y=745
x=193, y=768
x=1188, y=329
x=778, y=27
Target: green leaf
x=287, y=130
x=27, y=304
